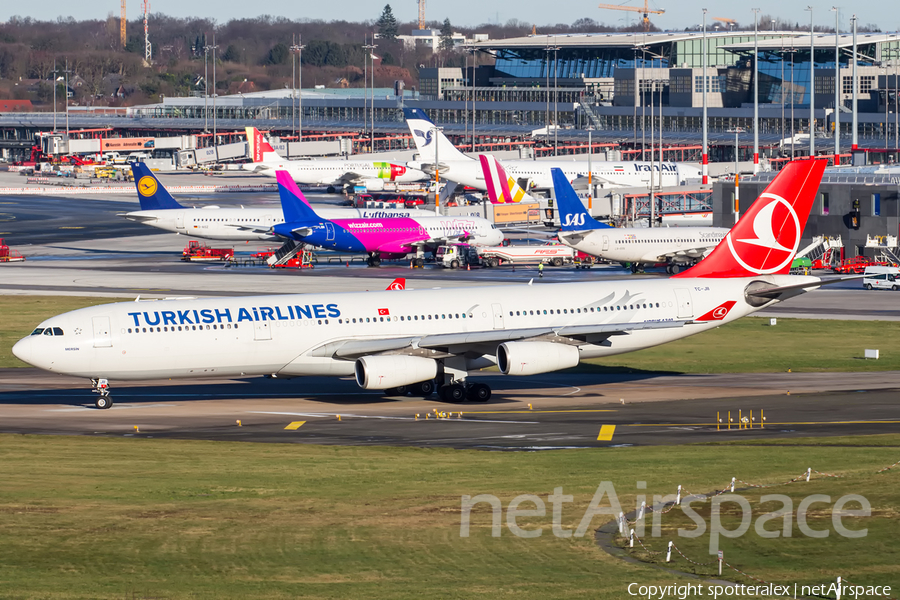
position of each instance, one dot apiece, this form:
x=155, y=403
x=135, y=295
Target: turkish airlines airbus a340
x=410, y=341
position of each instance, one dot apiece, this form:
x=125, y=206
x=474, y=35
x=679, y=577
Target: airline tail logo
x=258, y=145
x=389, y=171
x=764, y=252
x=574, y=220
x=765, y=239
x=501, y=187
x=425, y=135
x=397, y=284
x=147, y=186
x=718, y=313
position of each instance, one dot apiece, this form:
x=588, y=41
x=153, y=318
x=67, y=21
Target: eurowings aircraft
x=385, y=237
x=334, y=173
x=675, y=246
x=412, y=340
x=434, y=147
x=159, y=209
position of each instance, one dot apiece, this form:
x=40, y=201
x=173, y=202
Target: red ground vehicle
x=413, y=201
x=7, y=255
x=197, y=252
x=857, y=265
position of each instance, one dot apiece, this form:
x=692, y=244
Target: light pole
x=296, y=49
x=369, y=48
x=55, y=71
x=854, y=140
x=837, y=86
x=555, y=100
x=215, y=93
x=590, y=129
x=705, y=165
x=437, y=171
x=812, y=85
x=205, y=87
x=67, y=99
x=300, y=48
x=755, y=91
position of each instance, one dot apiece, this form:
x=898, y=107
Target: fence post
x=669, y=552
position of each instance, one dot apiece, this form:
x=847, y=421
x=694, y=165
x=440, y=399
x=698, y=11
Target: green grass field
x=107, y=518
x=748, y=345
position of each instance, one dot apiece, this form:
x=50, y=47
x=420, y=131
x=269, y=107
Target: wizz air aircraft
x=676, y=246
x=434, y=147
x=334, y=173
x=411, y=340
x=385, y=237
x=159, y=209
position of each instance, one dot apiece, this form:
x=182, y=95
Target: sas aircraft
x=412, y=340
x=434, y=147
x=392, y=237
x=676, y=246
x=334, y=173
x=159, y=209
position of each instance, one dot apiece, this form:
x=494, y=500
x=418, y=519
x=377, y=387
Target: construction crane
x=421, y=4
x=122, y=25
x=646, y=11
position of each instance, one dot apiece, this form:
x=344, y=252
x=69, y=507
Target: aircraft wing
x=686, y=253
x=138, y=218
x=251, y=228
x=484, y=342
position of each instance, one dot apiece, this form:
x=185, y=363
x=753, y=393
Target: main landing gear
x=101, y=388
x=673, y=269
x=374, y=260
x=454, y=392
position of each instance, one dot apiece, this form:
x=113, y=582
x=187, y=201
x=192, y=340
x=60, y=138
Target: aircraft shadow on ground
x=328, y=391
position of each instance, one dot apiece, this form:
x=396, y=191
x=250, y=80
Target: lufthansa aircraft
x=434, y=148
x=159, y=209
x=391, y=237
x=402, y=341
x=326, y=172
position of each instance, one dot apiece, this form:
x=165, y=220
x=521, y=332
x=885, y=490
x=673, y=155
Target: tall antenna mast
x=147, y=47
x=421, y=4
x=122, y=25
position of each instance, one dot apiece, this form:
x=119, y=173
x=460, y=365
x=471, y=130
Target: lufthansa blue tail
x=151, y=193
x=572, y=214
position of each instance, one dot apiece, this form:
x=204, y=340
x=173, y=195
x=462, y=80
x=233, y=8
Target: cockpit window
x=38, y=331
x=48, y=331
x=57, y=331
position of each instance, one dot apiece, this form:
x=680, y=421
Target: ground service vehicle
x=461, y=255
x=882, y=278
x=7, y=255
x=197, y=252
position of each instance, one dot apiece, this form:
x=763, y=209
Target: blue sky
x=680, y=13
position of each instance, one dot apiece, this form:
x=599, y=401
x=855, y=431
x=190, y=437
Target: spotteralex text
x=836, y=590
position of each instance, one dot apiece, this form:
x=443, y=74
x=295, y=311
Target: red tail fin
x=765, y=239
x=397, y=284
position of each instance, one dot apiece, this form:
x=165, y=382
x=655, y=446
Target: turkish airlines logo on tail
x=718, y=313
x=397, y=284
x=774, y=238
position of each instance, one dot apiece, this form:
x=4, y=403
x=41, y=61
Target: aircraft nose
x=23, y=350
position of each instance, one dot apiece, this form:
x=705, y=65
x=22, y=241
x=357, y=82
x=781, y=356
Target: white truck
x=882, y=278
x=460, y=255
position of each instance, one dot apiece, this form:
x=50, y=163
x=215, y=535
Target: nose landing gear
x=101, y=388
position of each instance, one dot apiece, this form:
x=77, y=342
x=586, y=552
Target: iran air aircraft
x=413, y=340
x=676, y=246
x=434, y=148
x=159, y=209
x=333, y=173
x=381, y=238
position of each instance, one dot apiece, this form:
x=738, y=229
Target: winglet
x=293, y=203
x=573, y=216
x=501, y=187
x=765, y=239
x=151, y=193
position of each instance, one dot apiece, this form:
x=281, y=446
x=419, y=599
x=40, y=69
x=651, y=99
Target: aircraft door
x=179, y=221
x=102, y=339
x=329, y=232
x=683, y=302
x=262, y=331
x=605, y=242
x=498, y=316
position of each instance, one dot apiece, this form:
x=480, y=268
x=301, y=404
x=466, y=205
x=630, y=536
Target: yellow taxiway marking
x=71, y=227
x=606, y=433
x=767, y=423
x=295, y=425
x=531, y=412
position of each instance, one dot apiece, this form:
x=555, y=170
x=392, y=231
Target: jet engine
x=531, y=358
x=393, y=370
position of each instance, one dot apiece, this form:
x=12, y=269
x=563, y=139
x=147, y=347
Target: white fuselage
x=537, y=172
x=646, y=244
x=338, y=172
x=247, y=224
x=302, y=334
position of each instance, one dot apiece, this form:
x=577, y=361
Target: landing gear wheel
x=669, y=269
x=634, y=268
x=103, y=402
x=424, y=388
x=397, y=391
x=676, y=269
x=479, y=392
x=330, y=189
x=453, y=393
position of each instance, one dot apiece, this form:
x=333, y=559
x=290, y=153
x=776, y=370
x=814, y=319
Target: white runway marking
x=353, y=416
